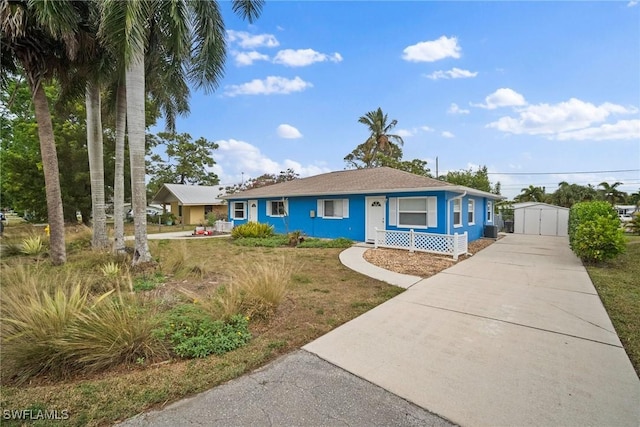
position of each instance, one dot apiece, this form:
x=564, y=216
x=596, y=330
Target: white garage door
x=543, y=221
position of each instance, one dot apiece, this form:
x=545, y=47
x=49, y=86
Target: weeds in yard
x=252, y=229
x=193, y=333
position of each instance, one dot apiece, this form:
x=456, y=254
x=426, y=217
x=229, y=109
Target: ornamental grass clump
x=33, y=246
x=54, y=326
x=260, y=285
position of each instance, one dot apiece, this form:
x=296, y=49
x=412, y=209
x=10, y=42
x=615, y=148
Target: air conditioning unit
x=491, y=231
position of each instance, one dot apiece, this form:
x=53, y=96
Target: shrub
x=193, y=333
x=252, y=229
x=211, y=219
x=633, y=226
x=340, y=242
x=594, y=231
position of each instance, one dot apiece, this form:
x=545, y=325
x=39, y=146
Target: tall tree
x=186, y=161
x=43, y=38
x=473, y=179
x=380, y=140
x=610, y=192
x=194, y=37
x=531, y=194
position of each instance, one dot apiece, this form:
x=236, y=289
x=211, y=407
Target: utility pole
x=437, y=175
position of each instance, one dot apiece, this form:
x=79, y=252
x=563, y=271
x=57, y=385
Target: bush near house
x=252, y=229
x=594, y=231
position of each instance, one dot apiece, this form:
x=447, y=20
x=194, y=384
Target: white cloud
x=303, y=57
x=288, y=132
x=454, y=73
x=431, y=51
x=404, y=133
x=632, y=3
x=238, y=160
x=426, y=128
x=503, y=97
x=269, y=86
x=248, y=58
x=447, y=134
x=454, y=109
x=623, y=129
x=565, y=117
x=251, y=41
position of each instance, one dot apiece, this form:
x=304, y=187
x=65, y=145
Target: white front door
x=375, y=216
x=253, y=211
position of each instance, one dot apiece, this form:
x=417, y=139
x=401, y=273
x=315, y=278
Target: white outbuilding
x=540, y=219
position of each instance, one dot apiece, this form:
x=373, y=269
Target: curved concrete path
x=515, y=335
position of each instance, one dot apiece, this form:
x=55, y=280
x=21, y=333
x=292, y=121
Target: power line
x=562, y=173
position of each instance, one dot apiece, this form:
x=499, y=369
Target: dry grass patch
x=321, y=294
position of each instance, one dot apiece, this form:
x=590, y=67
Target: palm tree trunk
x=136, y=129
x=118, y=184
x=96, y=166
x=51, y=174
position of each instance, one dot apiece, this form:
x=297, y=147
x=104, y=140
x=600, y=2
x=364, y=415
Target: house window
x=336, y=209
x=239, y=210
x=276, y=208
x=208, y=209
x=471, y=215
x=489, y=212
x=457, y=212
x=412, y=212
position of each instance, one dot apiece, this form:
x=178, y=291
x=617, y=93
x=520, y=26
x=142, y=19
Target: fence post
x=411, y=240
x=455, y=246
x=375, y=238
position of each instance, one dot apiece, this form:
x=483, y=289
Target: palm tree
x=44, y=41
x=531, y=194
x=192, y=34
x=380, y=141
x=610, y=192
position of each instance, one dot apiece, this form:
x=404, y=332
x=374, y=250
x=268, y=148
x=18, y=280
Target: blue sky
x=521, y=87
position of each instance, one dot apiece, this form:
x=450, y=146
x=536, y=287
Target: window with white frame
x=333, y=208
x=277, y=208
x=489, y=212
x=412, y=212
x=457, y=212
x=471, y=214
x=239, y=210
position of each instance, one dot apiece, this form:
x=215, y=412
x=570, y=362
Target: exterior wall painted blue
x=303, y=215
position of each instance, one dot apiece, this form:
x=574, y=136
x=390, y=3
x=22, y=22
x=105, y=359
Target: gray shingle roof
x=354, y=181
x=189, y=195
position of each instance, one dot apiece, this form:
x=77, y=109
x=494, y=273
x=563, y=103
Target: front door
x=375, y=216
x=253, y=211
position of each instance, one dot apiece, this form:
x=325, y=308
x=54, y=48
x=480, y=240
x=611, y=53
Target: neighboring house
x=191, y=203
x=540, y=219
x=353, y=203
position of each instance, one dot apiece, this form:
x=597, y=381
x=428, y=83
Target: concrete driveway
x=516, y=335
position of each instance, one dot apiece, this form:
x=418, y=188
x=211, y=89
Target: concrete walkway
x=515, y=335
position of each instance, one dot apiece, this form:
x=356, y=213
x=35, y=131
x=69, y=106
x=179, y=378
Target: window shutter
x=268, y=206
x=432, y=212
x=286, y=207
x=320, y=212
x=345, y=208
x=393, y=207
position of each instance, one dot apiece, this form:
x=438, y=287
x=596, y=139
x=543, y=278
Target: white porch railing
x=446, y=244
x=223, y=226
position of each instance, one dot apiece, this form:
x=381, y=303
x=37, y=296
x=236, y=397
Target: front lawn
x=618, y=284
x=321, y=295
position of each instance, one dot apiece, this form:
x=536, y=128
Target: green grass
x=619, y=288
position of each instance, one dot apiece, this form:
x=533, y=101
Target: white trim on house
x=339, y=208
x=458, y=202
x=471, y=212
x=280, y=212
x=235, y=209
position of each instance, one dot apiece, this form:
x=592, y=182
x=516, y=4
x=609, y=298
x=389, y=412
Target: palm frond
x=248, y=9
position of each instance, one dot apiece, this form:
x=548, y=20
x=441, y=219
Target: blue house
x=354, y=203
